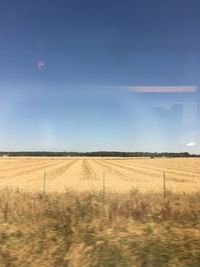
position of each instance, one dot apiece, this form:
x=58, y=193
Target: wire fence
x=105, y=184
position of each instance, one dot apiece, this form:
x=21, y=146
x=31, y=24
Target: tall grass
x=83, y=229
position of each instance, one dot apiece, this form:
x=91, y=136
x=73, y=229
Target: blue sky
x=67, y=69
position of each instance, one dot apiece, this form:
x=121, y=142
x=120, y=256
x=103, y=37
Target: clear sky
x=70, y=71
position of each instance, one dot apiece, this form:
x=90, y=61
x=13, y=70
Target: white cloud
x=191, y=144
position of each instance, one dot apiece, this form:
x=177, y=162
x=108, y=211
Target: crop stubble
x=86, y=174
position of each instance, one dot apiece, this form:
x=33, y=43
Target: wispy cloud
x=161, y=89
x=191, y=144
x=41, y=65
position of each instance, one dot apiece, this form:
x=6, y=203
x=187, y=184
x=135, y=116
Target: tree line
x=95, y=154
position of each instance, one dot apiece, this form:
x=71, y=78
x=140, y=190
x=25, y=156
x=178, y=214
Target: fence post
x=44, y=184
x=104, y=184
x=164, y=186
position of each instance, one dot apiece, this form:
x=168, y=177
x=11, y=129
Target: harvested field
x=85, y=174
x=83, y=227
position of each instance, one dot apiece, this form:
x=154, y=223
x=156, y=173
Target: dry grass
x=83, y=229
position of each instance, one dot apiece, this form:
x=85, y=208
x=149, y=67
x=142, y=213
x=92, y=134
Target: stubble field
x=86, y=174
x=73, y=224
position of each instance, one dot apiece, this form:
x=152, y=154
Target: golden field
x=86, y=174
x=75, y=225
